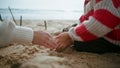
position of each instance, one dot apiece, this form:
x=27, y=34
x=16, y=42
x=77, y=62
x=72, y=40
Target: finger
x=47, y=34
x=64, y=47
x=60, y=48
x=58, y=41
x=57, y=37
x=48, y=46
x=50, y=35
x=57, y=33
x=51, y=44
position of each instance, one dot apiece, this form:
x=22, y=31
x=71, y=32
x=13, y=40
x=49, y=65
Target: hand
x=63, y=40
x=43, y=38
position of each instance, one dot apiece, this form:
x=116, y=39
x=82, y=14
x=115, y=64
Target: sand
x=22, y=55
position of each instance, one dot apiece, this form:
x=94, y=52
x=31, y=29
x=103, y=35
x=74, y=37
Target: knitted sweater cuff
x=22, y=34
x=73, y=35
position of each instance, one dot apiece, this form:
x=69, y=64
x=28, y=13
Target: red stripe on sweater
x=114, y=35
x=116, y=3
x=106, y=18
x=85, y=2
x=97, y=1
x=84, y=33
x=86, y=16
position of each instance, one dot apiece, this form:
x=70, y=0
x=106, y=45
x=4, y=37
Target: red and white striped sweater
x=101, y=19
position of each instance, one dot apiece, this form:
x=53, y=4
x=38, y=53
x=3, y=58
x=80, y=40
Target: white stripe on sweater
x=88, y=7
x=107, y=5
x=95, y=27
x=118, y=10
x=113, y=41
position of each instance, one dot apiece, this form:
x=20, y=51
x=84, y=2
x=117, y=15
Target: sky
x=43, y=4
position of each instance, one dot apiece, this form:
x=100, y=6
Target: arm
x=104, y=19
x=10, y=33
x=87, y=7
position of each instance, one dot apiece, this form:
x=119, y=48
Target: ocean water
x=42, y=14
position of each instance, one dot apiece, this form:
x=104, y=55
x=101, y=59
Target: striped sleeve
x=104, y=19
x=88, y=11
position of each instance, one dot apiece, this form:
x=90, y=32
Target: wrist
x=73, y=35
x=71, y=39
x=34, y=37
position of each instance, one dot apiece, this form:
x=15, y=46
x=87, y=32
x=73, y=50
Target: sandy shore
x=34, y=56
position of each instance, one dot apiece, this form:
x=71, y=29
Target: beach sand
x=23, y=55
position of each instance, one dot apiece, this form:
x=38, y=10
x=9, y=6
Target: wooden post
x=12, y=15
x=1, y=18
x=45, y=23
x=20, y=20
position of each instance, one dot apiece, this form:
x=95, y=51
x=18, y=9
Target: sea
x=42, y=14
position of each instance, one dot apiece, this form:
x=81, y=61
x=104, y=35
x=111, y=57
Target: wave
x=41, y=14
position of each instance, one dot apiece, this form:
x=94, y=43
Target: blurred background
x=42, y=9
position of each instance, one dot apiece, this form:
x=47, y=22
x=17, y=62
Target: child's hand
x=43, y=38
x=63, y=40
